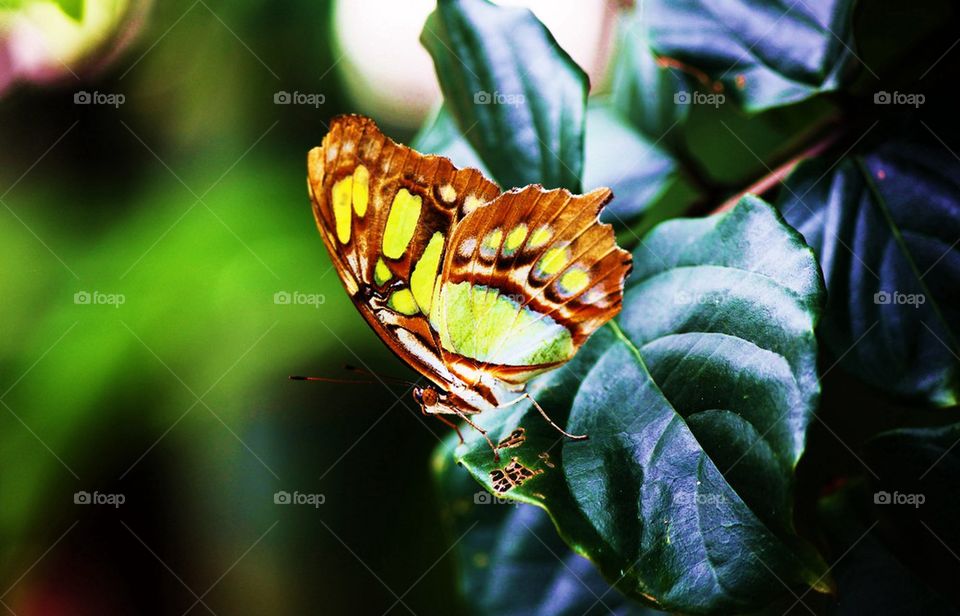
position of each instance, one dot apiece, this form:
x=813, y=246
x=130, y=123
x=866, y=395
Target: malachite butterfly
x=478, y=290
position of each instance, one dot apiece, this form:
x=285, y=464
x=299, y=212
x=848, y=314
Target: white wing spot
x=447, y=193
x=471, y=203
x=596, y=295
x=467, y=247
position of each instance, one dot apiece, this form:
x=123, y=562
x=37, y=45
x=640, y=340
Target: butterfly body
x=478, y=290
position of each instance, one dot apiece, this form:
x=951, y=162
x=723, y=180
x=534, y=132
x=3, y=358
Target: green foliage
x=643, y=90
x=764, y=54
x=179, y=290
x=682, y=494
x=501, y=69
x=618, y=156
x=512, y=560
x=701, y=398
x=440, y=135
x=890, y=265
x=915, y=499
x=869, y=563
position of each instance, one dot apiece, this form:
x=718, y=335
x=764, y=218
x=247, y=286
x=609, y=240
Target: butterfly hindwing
x=526, y=279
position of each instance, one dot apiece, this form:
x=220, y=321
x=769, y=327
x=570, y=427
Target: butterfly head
x=427, y=397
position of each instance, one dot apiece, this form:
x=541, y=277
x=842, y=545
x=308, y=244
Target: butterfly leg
x=452, y=425
x=461, y=415
x=581, y=437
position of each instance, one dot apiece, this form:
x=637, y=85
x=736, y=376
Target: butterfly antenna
x=324, y=379
x=374, y=378
x=380, y=377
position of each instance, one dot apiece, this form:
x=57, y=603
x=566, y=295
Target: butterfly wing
x=386, y=213
x=526, y=279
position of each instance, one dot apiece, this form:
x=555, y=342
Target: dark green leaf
x=917, y=499
x=697, y=414
x=643, y=90
x=511, y=560
x=516, y=95
x=923, y=34
x=886, y=227
x=870, y=578
x=440, y=135
x=736, y=150
x=764, y=54
x=619, y=157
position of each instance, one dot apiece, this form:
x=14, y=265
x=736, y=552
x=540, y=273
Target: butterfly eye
x=418, y=395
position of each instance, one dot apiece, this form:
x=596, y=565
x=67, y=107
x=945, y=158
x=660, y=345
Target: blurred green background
x=188, y=200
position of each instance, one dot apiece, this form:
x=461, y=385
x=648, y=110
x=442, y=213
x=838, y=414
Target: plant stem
x=776, y=176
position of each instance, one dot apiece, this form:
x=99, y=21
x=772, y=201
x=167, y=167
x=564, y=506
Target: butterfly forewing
x=359, y=177
x=386, y=213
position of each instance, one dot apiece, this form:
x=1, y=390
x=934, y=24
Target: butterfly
x=476, y=289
